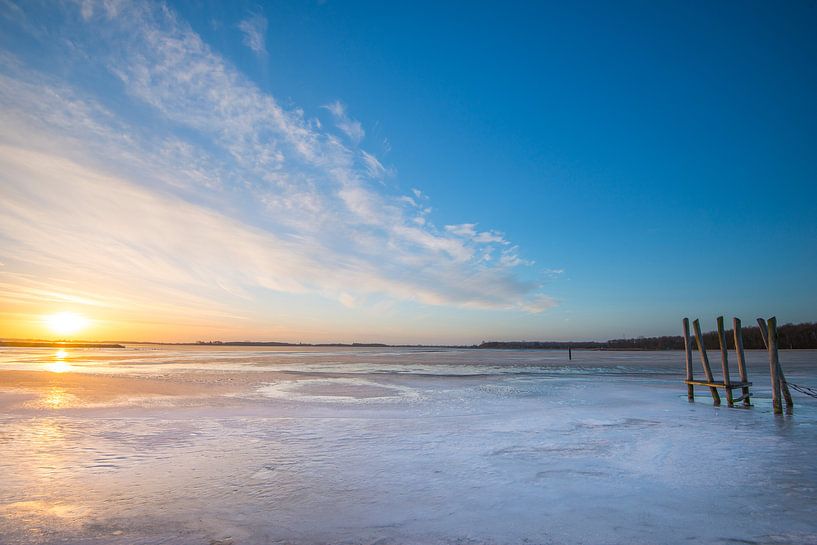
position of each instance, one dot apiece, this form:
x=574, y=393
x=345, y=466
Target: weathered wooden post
x=696, y=327
x=727, y=383
x=774, y=364
x=744, y=376
x=688, y=354
x=781, y=378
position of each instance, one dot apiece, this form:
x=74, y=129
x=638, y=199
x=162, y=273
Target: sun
x=65, y=323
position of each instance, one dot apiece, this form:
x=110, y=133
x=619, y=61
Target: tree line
x=788, y=336
x=802, y=336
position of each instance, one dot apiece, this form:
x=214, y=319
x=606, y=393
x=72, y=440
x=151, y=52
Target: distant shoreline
x=790, y=336
x=57, y=344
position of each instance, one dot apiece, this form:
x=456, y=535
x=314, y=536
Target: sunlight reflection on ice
x=54, y=397
x=59, y=366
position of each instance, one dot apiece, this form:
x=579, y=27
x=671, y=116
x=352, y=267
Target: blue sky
x=323, y=171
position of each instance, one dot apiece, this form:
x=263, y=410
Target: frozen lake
x=173, y=445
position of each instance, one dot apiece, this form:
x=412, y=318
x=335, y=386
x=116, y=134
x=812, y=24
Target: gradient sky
x=343, y=171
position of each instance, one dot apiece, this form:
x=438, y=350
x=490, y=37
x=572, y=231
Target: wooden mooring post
x=768, y=330
x=710, y=381
x=727, y=383
x=688, y=360
x=744, y=377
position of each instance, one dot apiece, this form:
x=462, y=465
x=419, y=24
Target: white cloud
x=510, y=258
x=374, y=168
x=462, y=230
x=259, y=197
x=254, y=29
x=351, y=127
x=347, y=299
x=86, y=9
x=469, y=231
x=489, y=237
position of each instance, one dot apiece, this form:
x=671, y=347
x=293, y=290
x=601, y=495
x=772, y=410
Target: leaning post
x=764, y=332
x=744, y=376
x=727, y=383
x=696, y=327
x=774, y=364
x=784, y=387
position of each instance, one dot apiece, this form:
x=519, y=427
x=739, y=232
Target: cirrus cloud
x=214, y=190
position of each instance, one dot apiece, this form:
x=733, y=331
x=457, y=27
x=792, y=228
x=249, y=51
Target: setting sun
x=66, y=323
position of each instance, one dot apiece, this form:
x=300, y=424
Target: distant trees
x=789, y=336
x=552, y=345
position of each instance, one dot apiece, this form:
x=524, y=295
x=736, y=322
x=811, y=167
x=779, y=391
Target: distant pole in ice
x=569, y=353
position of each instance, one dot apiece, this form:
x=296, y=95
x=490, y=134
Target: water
x=168, y=445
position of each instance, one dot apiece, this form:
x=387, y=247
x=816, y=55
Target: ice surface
x=402, y=446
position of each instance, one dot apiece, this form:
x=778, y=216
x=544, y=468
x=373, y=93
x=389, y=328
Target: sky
x=405, y=173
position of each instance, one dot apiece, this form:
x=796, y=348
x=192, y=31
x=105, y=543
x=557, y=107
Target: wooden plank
x=733, y=385
x=774, y=365
x=724, y=361
x=699, y=339
x=744, y=376
x=688, y=360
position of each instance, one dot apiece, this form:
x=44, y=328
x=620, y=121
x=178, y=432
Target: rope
x=812, y=392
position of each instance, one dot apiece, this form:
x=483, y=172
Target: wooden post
x=774, y=365
x=696, y=327
x=688, y=354
x=764, y=332
x=744, y=376
x=727, y=383
x=785, y=388
x=569, y=353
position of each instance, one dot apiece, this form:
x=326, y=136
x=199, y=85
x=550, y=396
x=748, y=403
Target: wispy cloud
x=469, y=231
x=254, y=29
x=374, y=168
x=221, y=193
x=462, y=229
x=350, y=127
